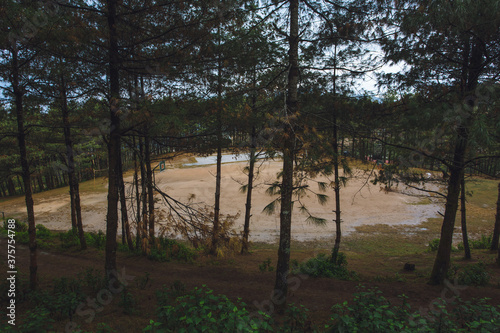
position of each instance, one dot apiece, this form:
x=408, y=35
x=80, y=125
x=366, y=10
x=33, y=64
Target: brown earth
x=237, y=277
x=362, y=202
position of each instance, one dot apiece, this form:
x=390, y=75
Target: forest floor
x=376, y=246
x=239, y=276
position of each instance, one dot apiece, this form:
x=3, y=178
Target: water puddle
x=229, y=158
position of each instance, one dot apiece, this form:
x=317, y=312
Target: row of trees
x=99, y=85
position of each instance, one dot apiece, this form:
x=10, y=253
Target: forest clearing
x=365, y=203
x=250, y=166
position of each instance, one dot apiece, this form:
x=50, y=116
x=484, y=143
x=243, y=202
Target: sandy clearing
x=359, y=207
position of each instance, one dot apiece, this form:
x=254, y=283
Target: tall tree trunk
x=123, y=207
x=442, y=261
x=353, y=152
x=11, y=188
x=218, y=176
x=48, y=178
x=126, y=237
x=137, y=198
x=251, y=167
x=496, y=230
x=248, y=205
x=79, y=222
x=281, y=283
x=2, y=187
x=40, y=181
x=25, y=169
x=338, y=221
x=463, y=215
x=72, y=201
x=123, y=199
x=144, y=197
x=114, y=144
x=76, y=210
x=338, y=230
x=498, y=257
x=151, y=201
x=470, y=79
x=21, y=185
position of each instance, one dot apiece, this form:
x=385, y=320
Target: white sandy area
x=361, y=205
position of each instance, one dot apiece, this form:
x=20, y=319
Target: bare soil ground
x=362, y=203
x=238, y=277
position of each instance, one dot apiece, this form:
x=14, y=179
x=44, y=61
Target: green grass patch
x=384, y=244
x=484, y=192
x=422, y=201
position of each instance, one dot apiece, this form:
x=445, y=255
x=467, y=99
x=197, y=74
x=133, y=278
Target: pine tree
x=451, y=47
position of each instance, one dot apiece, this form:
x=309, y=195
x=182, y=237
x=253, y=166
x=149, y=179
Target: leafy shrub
x=64, y=285
x=322, y=266
x=69, y=239
x=434, y=245
x=19, y=226
x=341, y=259
x=201, y=310
x=166, y=296
x=123, y=247
x=266, y=266
x=63, y=300
x=128, y=302
x=42, y=232
x=476, y=316
x=22, y=288
x=34, y=321
x=104, y=328
x=474, y=275
x=296, y=319
x=371, y=312
x=93, y=279
x=96, y=239
x=166, y=249
x=484, y=243
x=22, y=237
x=37, y=320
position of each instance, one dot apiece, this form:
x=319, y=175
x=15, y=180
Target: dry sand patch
x=359, y=207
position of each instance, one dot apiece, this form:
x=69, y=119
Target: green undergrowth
x=471, y=274
x=371, y=312
x=58, y=302
x=323, y=266
x=201, y=310
x=168, y=249
x=164, y=249
x=481, y=243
